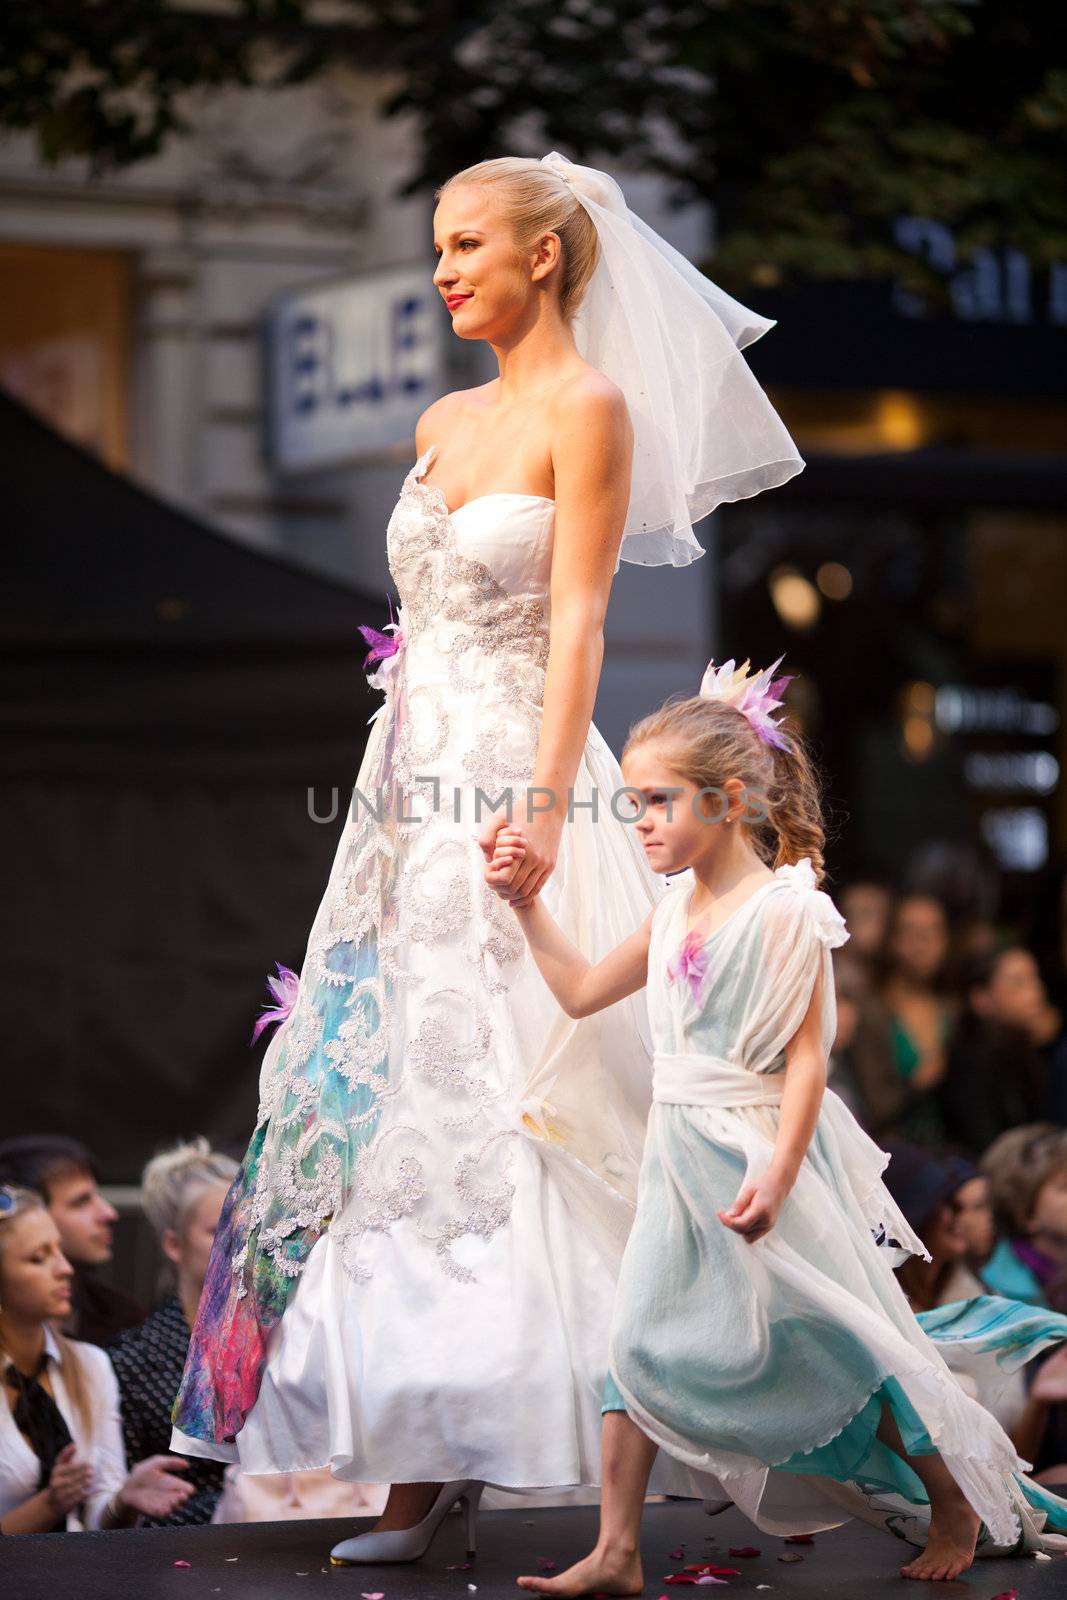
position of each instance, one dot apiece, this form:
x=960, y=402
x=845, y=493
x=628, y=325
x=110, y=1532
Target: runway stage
x=289, y=1561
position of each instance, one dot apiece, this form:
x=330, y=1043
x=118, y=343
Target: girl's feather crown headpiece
x=753, y=696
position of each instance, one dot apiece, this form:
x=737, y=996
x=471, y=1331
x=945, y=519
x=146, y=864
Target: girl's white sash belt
x=696, y=1080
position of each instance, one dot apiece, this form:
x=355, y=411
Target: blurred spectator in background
x=861, y=1067
x=966, y=884
x=974, y=1208
x=62, y=1463
x=1048, y=939
x=946, y=1200
x=1027, y=1170
x=63, y=1172
x=866, y=904
x=927, y=1190
x=1047, y=935
x=996, y=1076
x=921, y=1014
x=183, y=1190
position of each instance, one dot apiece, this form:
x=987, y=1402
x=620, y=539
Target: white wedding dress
x=414, y=1272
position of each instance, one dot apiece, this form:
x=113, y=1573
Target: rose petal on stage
x=1007, y=1594
x=705, y=1572
x=181, y=1563
x=545, y=1565
x=676, y=1555
x=378, y=1596
x=800, y=1538
x=743, y=1550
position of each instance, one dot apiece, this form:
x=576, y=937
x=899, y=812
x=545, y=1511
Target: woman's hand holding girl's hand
x=69, y=1482
x=540, y=837
x=152, y=1489
x=509, y=854
x=755, y=1211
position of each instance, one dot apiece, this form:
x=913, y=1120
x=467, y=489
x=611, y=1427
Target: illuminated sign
x=351, y=365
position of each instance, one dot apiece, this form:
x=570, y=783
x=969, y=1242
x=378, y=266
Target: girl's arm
x=755, y=1211
x=580, y=987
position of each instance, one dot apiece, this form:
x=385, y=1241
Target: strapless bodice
x=488, y=562
x=474, y=616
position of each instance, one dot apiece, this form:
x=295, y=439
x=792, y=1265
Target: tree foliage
x=809, y=123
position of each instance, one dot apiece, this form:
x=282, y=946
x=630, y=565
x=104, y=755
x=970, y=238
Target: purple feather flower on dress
x=382, y=649
x=285, y=988
x=690, y=965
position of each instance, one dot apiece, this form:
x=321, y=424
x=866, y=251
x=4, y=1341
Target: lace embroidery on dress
x=368, y=1015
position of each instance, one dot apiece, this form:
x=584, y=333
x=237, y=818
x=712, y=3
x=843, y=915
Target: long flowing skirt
x=414, y=1271
x=766, y=1367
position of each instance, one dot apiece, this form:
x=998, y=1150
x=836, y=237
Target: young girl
x=758, y=1324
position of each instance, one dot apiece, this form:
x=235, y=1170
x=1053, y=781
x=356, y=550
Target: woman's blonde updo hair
x=709, y=741
x=534, y=200
x=173, y=1182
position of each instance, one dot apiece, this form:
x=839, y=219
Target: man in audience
x=63, y=1172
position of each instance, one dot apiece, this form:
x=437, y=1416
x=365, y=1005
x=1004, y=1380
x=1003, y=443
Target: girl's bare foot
x=949, y=1544
x=602, y=1572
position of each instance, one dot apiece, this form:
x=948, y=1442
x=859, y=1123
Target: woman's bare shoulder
x=441, y=414
x=590, y=403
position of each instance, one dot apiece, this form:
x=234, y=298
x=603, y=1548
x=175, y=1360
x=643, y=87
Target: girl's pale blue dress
x=764, y=1367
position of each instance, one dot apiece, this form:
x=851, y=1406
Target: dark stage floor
x=283, y=1560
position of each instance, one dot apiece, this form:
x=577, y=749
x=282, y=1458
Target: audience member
x=921, y=1015
x=866, y=904
x=63, y=1173
x=974, y=1209
x=946, y=1202
x=996, y=1077
x=62, y=1463
x=927, y=1190
x=861, y=1067
x=183, y=1190
x=1027, y=1170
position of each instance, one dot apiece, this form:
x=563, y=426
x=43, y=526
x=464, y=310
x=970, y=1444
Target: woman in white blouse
x=62, y=1463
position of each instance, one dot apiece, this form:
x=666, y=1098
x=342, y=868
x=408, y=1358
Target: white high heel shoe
x=408, y=1544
